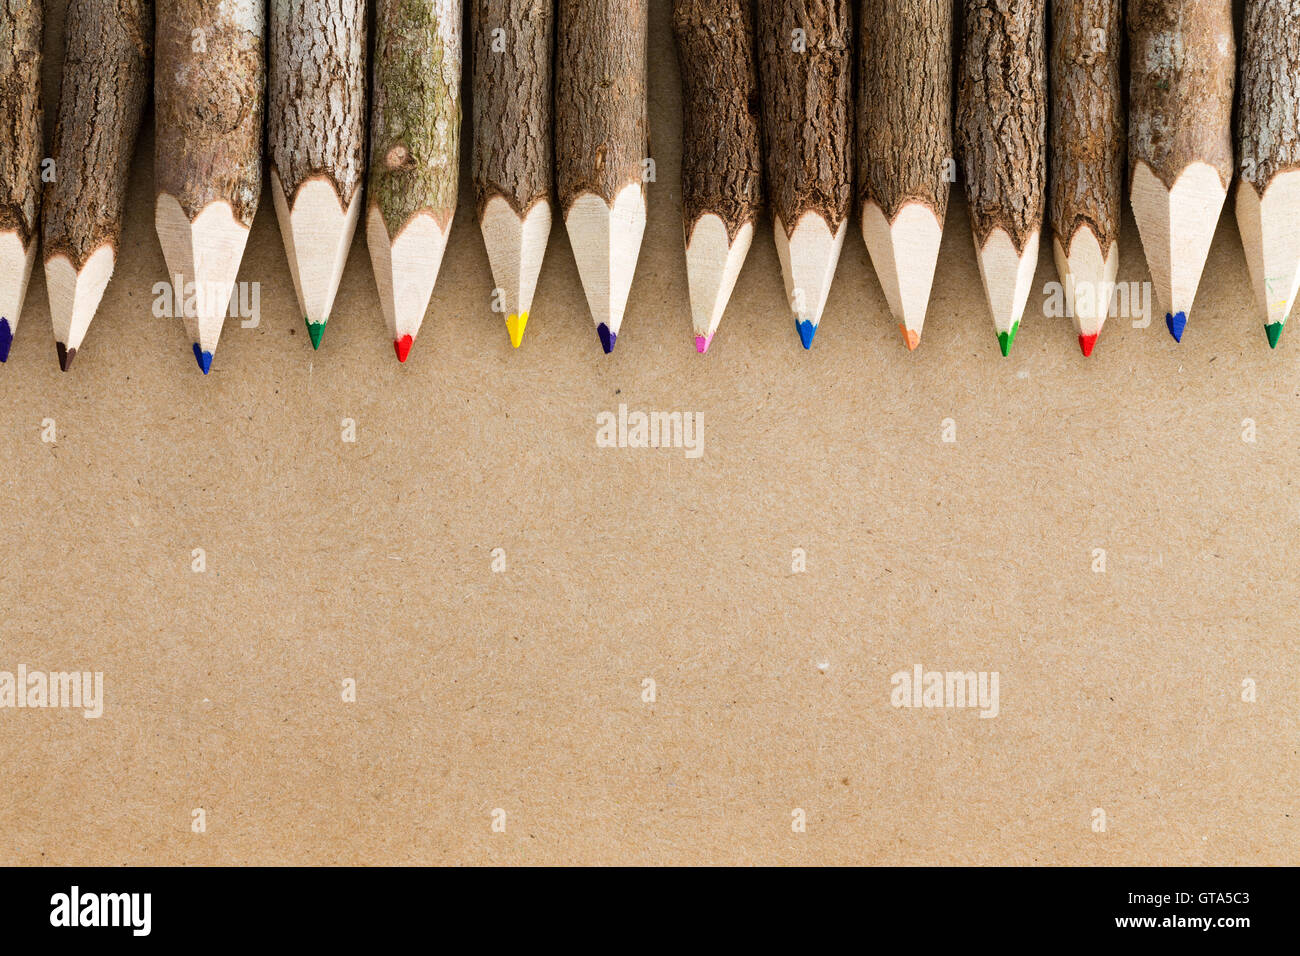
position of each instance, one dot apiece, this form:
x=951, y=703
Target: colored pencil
x=905, y=148
x=1268, y=146
x=414, y=155
x=316, y=138
x=513, y=147
x=805, y=60
x=209, y=96
x=601, y=147
x=722, y=163
x=1087, y=149
x=107, y=59
x=1182, y=54
x=21, y=150
x=1001, y=134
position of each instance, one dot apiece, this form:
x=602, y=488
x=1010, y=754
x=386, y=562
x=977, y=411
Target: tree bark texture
x=905, y=104
x=1002, y=117
x=1270, y=92
x=805, y=59
x=415, y=113
x=513, y=148
x=106, y=76
x=209, y=98
x=317, y=94
x=1087, y=138
x=601, y=128
x=722, y=159
x=22, y=143
x=1182, y=56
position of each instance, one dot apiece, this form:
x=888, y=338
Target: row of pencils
x=560, y=114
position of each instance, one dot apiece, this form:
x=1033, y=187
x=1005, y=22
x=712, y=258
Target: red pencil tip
x=1086, y=342
x=402, y=347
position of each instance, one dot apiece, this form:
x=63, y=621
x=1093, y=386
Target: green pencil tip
x=1274, y=332
x=315, y=330
x=1006, y=338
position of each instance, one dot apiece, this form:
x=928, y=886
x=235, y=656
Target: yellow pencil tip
x=515, y=326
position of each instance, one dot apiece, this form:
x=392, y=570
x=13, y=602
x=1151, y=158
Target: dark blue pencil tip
x=6, y=339
x=203, y=358
x=607, y=338
x=806, y=332
x=1176, y=322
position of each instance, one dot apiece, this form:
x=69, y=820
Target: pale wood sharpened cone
x=1177, y=228
x=1088, y=279
x=606, y=242
x=713, y=264
x=206, y=252
x=515, y=249
x=1270, y=233
x=809, y=257
x=904, y=254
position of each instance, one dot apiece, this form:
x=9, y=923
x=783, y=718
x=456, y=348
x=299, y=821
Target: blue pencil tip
x=1176, y=322
x=203, y=358
x=806, y=332
x=607, y=338
x=6, y=339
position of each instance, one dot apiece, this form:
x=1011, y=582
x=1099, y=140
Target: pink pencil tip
x=702, y=343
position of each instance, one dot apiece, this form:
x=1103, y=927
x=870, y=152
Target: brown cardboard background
x=522, y=690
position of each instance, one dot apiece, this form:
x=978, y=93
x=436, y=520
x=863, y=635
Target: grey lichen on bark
x=106, y=66
x=1002, y=117
x=601, y=127
x=513, y=147
x=722, y=161
x=209, y=104
x=1182, y=59
x=416, y=111
x=905, y=106
x=1087, y=120
x=805, y=60
x=22, y=133
x=316, y=110
x=1270, y=92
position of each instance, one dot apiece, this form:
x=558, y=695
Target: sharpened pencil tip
x=402, y=347
x=66, y=355
x=806, y=332
x=314, y=331
x=1273, y=330
x=1007, y=339
x=607, y=338
x=1176, y=322
x=6, y=339
x=203, y=358
x=910, y=338
x=515, y=325
x=702, y=343
x=1086, y=342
